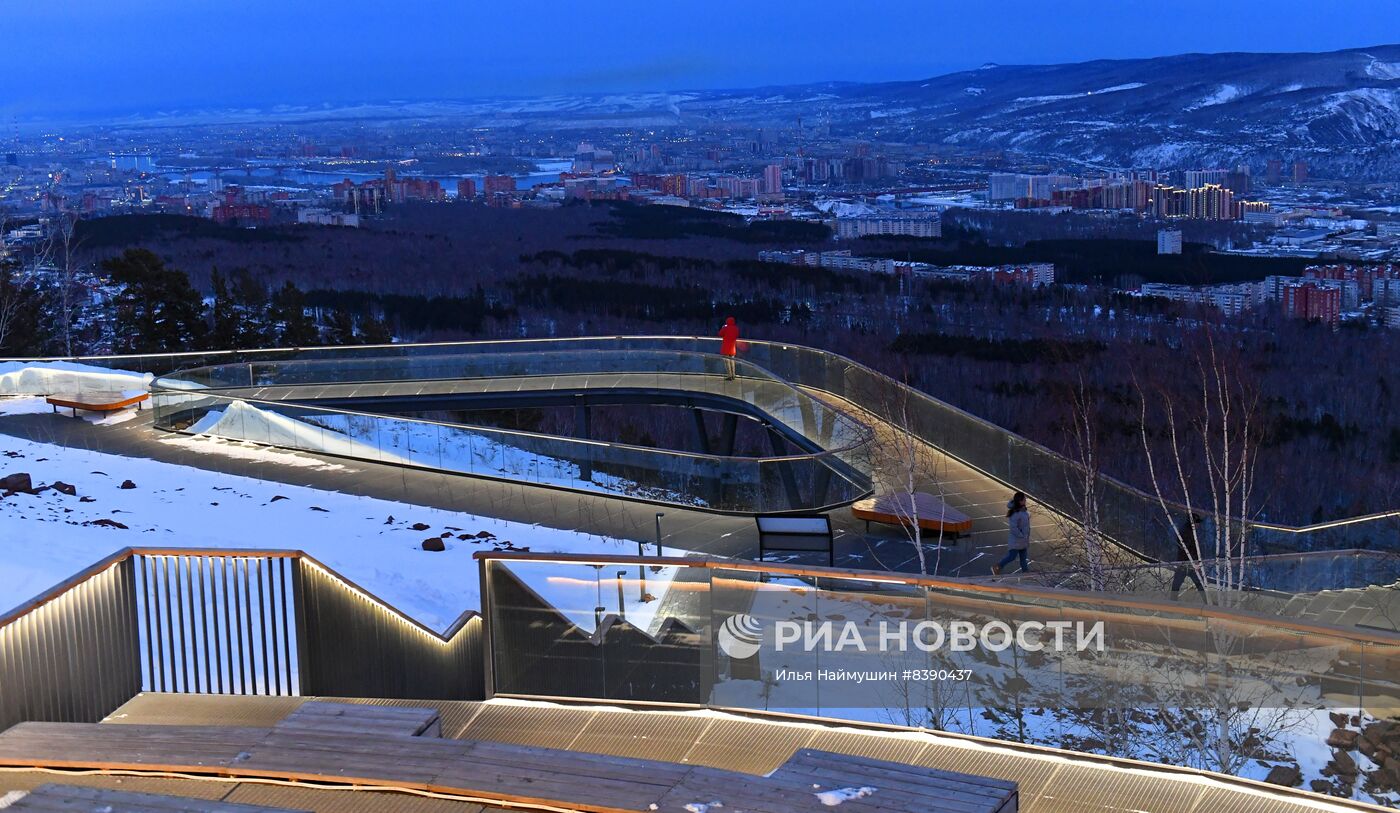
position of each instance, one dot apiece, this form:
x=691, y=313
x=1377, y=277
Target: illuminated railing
x=636, y=629
x=220, y=622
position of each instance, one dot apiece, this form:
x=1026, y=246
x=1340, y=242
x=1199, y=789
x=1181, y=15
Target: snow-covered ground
x=46, y=537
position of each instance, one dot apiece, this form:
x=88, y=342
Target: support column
x=582, y=416
x=780, y=448
x=702, y=435
x=727, y=432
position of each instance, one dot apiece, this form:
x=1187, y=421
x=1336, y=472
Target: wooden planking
x=900, y=786
x=492, y=770
x=76, y=799
x=351, y=718
x=67, y=745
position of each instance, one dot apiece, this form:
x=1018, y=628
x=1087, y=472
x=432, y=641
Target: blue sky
x=85, y=56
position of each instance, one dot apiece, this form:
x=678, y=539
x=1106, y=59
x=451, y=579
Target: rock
x=465, y=536
x=485, y=535
x=434, y=543
x=64, y=488
x=1287, y=775
x=1320, y=786
x=87, y=499
x=419, y=526
x=17, y=482
x=1339, y=720
x=319, y=508
x=127, y=484
x=106, y=523
x=1344, y=764
x=1342, y=738
x=277, y=497
x=390, y=520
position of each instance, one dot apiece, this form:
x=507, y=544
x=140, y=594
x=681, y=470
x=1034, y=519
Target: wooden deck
x=76, y=799
x=367, y=746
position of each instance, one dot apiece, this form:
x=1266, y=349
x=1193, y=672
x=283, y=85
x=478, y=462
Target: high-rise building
x=773, y=179
x=1300, y=172
x=1312, y=301
x=466, y=189
x=1273, y=172
x=491, y=185
x=1196, y=178
x=1169, y=241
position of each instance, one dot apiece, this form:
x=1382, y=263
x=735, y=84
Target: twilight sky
x=80, y=57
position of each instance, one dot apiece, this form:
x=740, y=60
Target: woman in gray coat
x=1018, y=536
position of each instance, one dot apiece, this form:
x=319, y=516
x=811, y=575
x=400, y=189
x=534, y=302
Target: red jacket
x=729, y=338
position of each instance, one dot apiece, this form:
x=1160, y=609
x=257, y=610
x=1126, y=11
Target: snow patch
x=1383, y=70
x=51, y=377
x=702, y=807
x=832, y=798
x=1221, y=95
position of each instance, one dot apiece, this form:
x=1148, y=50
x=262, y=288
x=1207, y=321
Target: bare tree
x=907, y=469
x=63, y=248
x=1081, y=530
x=1210, y=427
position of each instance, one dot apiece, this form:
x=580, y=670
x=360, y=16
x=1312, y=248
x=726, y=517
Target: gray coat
x=1018, y=536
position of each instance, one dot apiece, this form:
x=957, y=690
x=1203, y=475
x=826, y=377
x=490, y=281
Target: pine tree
x=251, y=303
x=374, y=331
x=157, y=311
x=223, y=334
x=341, y=329
x=288, y=318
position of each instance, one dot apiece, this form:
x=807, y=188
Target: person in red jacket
x=729, y=346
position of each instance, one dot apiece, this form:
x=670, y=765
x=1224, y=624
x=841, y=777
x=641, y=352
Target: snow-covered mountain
x=1338, y=110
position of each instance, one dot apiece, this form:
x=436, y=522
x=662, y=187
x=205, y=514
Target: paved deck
x=1048, y=781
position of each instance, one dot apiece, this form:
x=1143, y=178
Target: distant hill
x=1338, y=110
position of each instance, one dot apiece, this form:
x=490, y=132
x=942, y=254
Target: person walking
x=729, y=347
x=1188, y=555
x=1018, y=533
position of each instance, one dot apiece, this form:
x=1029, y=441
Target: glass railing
x=1129, y=516
x=728, y=484
x=1052, y=667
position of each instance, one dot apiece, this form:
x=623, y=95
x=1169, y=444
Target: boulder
x=1343, y=764
x=1287, y=775
x=64, y=488
x=18, y=481
x=106, y=523
x=1343, y=738
x=434, y=543
x=419, y=526
x=127, y=484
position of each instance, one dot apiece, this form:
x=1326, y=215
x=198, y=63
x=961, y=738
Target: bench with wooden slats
x=515, y=774
x=97, y=401
x=75, y=799
x=354, y=718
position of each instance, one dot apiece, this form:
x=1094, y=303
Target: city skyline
x=93, y=60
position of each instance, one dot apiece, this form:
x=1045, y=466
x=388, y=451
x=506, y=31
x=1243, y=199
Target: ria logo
x=740, y=636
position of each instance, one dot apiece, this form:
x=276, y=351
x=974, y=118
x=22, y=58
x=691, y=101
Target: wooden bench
x=355, y=718
x=52, y=797
x=505, y=773
x=897, y=509
x=97, y=401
